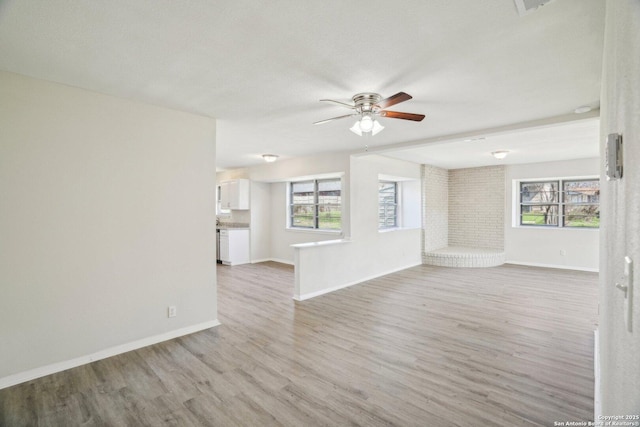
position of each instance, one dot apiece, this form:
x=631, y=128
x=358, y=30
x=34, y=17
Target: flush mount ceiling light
x=526, y=6
x=583, y=109
x=270, y=158
x=500, y=154
x=368, y=106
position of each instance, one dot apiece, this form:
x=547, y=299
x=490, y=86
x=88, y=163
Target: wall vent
x=526, y=6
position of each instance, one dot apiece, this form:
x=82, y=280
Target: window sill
x=551, y=227
x=323, y=243
x=389, y=230
x=315, y=231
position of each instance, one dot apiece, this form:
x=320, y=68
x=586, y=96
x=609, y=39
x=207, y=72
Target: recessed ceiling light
x=583, y=109
x=500, y=154
x=270, y=158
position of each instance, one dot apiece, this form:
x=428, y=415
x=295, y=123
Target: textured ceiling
x=573, y=140
x=261, y=67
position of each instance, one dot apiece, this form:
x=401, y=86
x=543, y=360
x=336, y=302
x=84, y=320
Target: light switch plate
x=613, y=157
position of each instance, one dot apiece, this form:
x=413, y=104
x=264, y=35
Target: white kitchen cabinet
x=223, y=196
x=234, y=194
x=234, y=246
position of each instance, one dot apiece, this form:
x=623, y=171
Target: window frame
x=561, y=203
x=316, y=206
x=396, y=205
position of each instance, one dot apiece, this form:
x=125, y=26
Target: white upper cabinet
x=234, y=194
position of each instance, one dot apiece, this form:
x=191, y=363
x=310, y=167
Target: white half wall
x=106, y=219
x=542, y=246
x=282, y=237
x=369, y=253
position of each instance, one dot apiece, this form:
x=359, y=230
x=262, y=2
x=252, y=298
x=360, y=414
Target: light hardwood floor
x=428, y=346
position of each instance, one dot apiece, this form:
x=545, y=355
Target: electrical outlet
x=563, y=252
x=171, y=311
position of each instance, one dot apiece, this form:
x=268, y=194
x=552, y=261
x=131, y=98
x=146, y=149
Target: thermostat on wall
x=613, y=156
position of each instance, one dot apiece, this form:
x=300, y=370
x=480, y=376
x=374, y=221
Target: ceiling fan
x=367, y=106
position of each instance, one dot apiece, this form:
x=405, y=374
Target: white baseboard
x=346, y=285
x=597, y=404
x=561, y=267
x=281, y=261
x=42, y=371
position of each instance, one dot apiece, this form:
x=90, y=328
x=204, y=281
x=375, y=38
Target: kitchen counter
x=232, y=226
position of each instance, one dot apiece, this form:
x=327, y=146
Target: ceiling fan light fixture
x=366, y=123
x=500, y=154
x=367, y=107
x=377, y=127
x=270, y=158
x=356, y=128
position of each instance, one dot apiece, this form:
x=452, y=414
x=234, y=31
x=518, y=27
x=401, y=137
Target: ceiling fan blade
x=394, y=99
x=404, y=116
x=332, y=119
x=340, y=103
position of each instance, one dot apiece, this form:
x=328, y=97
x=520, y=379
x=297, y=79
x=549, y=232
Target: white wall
x=410, y=208
x=370, y=253
x=284, y=170
x=260, y=220
x=620, y=232
x=541, y=246
x=106, y=218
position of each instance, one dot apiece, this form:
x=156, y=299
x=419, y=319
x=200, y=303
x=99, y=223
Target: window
x=316, y=204
x=560, y=203
x=387, y=204
x=539, y=203
x=581, y=203
x=219, y=209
